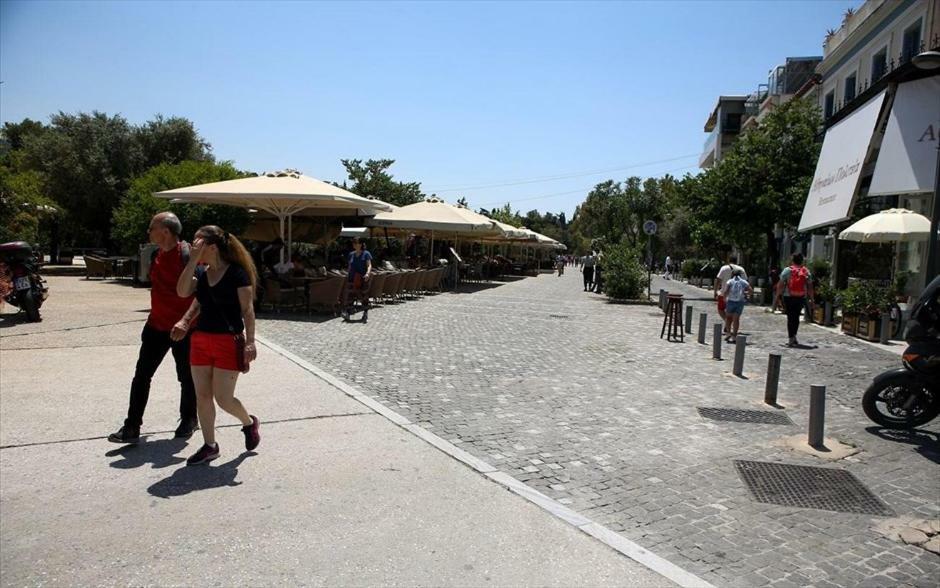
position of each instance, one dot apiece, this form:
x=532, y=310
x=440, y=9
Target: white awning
x=907, y=161
x=838, y=171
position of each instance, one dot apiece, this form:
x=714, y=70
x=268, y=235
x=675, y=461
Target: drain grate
x=563, y=317
x=745, y=416
x=809, y=487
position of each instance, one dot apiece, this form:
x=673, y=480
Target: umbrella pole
x=387, y=243
x=431, y=252
x=280, y=218
x=290, y=235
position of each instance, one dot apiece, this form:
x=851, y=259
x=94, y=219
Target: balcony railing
x=711, y=140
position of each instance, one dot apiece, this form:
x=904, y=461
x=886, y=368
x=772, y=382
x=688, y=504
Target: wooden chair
x=392, y=285
x=278, y=296
x=377, y=286
x=326, y=294
x=411, y=283
x=95, y=267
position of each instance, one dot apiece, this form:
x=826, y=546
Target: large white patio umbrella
x=283, y=194
x=435, y=215
x=895, y=225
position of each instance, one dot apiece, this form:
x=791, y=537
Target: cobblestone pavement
x=583, y=401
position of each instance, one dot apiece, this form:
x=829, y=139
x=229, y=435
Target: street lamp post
x=930, y=60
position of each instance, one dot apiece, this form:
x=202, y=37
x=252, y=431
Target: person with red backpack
x=796, y=288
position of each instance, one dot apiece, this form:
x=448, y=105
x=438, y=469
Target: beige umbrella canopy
x=283, y=194
x=895, y=225
x=436, y=216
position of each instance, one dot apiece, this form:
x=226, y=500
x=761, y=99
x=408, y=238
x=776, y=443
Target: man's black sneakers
x=204, y=455
x=126, y=434
x=186, y=428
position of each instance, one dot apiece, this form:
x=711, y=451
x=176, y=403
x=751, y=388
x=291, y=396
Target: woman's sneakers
x=205, y=454
x=252, y=435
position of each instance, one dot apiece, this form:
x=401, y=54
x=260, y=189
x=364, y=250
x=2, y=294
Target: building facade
x=723, y=127
x=868, y=55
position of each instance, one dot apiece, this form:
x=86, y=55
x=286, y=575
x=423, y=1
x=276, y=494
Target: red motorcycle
x=23, y=287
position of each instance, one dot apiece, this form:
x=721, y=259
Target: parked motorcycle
x=909, y=397
x=28, y=289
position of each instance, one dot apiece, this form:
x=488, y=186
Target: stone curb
x=606, y=536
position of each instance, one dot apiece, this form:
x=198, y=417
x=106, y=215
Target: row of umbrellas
x=289, y=193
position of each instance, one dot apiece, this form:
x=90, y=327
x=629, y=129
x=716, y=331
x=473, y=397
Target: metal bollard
x=817, y=415
x=716, y=341
x=885, y=328
x=773, y=379
x=702, y=321
x=827, y=314
x=688, y=319
x=739, y=346
x=662, y=299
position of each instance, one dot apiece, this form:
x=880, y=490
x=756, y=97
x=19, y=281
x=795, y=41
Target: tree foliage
x=133, y=215
x=624, y=276
x=761, y=182
x=372, y=179
x=86, y=162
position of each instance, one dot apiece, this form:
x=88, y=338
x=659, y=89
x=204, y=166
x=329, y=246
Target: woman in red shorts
x=224, y=285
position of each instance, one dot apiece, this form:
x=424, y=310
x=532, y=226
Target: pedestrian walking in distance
x=161, y=332
x=358, y=275
x=724, y=274
x=587, y=270
x=668, y=267
x=735, y=292
x=796, y=288
x=223, y=340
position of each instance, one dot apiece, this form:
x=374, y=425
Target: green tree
x=133, y=215
x=624, y=275
x=504, y=215
x=170, y=140
x=23, y=207
x=763, y=181
x=372, y=179
x=87, y=162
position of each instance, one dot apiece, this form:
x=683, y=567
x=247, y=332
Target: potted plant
x=873, y=301
x=824, y=294
x=848, y=301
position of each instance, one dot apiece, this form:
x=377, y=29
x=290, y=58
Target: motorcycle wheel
x=884, y=402
x=31, y=307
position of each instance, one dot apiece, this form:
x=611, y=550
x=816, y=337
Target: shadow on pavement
x=927, y=443
x=193, y=478
x=161, y=454
x=13, y=319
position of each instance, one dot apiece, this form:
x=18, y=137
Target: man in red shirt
x=163, y=332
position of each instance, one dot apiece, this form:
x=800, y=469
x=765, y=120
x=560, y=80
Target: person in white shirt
x=668, y=274
x=724, y=274
x=735, y=292
x=283, y=267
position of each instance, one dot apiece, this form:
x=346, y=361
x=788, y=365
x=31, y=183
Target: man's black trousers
x=154, y=346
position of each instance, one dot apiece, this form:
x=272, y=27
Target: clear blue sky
x=462, y=95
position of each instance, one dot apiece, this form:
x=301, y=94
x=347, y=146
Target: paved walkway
x=581, y=400
x=335, y=495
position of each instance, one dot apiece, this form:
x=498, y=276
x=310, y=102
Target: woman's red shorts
x=213, y=350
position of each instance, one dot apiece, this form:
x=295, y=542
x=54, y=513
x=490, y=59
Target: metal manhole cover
x=745, y=416
x=809, y=487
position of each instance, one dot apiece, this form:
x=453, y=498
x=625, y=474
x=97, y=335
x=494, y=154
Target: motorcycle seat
x=16, y=246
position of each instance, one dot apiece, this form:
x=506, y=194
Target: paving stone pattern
x=582, y=400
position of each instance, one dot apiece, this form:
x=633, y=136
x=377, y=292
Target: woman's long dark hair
x=230, y=249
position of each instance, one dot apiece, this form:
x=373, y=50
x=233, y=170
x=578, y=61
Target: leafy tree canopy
x=372, y=179
x=132, y=216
